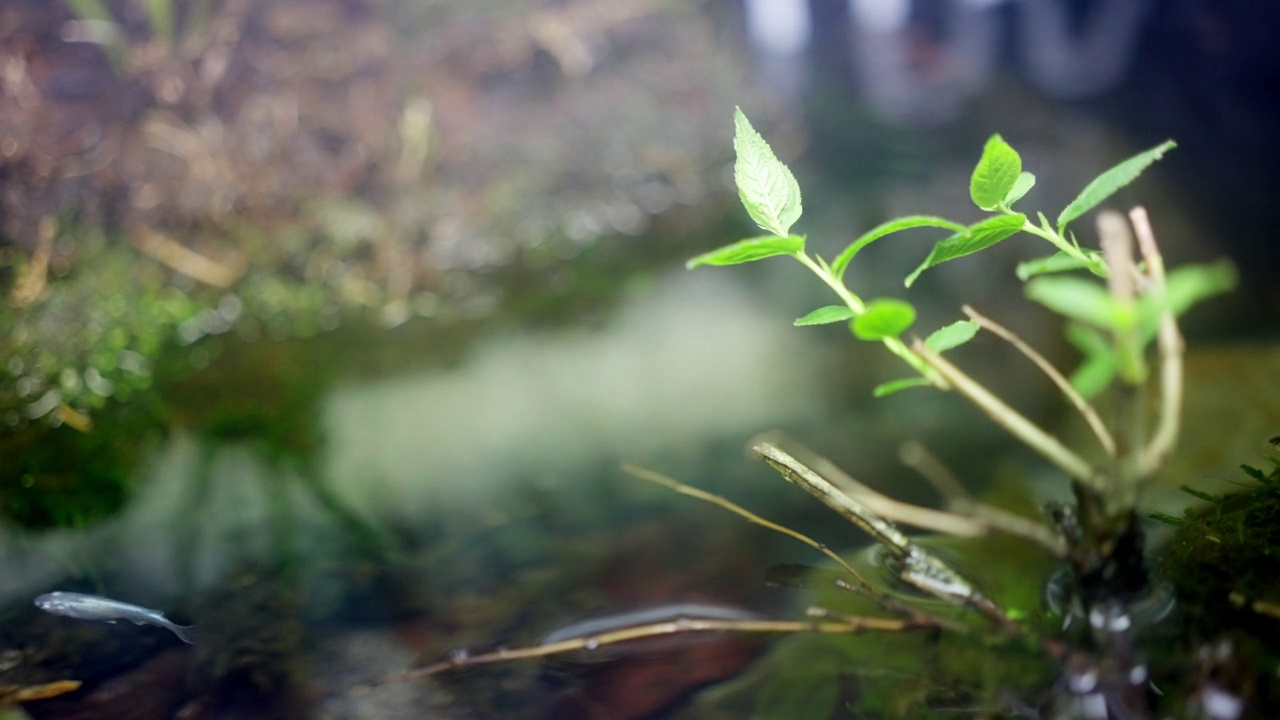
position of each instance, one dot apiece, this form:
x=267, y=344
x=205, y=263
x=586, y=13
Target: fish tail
x=185, y=633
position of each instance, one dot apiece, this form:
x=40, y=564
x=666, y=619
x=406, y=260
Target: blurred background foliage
x=175, y=171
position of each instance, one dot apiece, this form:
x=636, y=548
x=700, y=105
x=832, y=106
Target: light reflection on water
x=693, y=359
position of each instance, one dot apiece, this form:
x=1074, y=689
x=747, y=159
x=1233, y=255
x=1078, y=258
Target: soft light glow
x=779, y=27
x=880, y=16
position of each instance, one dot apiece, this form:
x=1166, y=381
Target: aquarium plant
x=1121, y=306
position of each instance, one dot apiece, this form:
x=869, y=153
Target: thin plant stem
x=1083, y=406
x=918, y=458
x=1171, y=347
x=1014, y=422
x=919, y=568
x=873, y=502
x=1066, y=246
x=663, y=480
x=1130, y=424
x=861, y=587
x=854, y=303
x=460, y=659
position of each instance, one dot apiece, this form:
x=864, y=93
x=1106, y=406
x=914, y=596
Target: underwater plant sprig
x=1113, y=318
x=772, y=198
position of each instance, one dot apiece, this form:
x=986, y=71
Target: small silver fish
x=96, y=607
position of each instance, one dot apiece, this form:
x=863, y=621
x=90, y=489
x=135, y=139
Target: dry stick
x=919, y=567
x=915, y=456
x=862, y=586
x=1064, y=386
x=663, y=480
x=874, y=501
x=1171, y=350
x=847, y=625
x=975, y=519
x=1012, y=421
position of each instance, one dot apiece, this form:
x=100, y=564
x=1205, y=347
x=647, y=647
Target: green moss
x=1224, y=564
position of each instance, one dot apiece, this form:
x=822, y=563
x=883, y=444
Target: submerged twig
x=1083, y=406
x=863, y=586
x=461, y=659
x=877, y=502
x=919, y=567
x=660, y=479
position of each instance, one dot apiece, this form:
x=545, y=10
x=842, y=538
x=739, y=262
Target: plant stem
x=1171, y=350
x=1012, y=421
x=854, y=303
x=1066, y=247
x=1064, y=386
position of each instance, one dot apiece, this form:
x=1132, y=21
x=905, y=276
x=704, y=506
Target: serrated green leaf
x=974, y=238
x=1021, y=187
x=750, y=249
x=768, y=190
x=1080, y=299
x=884, y=317
x=1110, y=181
x=1056, y=263
x=894, y=386
x=995, y=175
x=825, y=315
x=951, y=336
x=893, y=226
x=1099, y=365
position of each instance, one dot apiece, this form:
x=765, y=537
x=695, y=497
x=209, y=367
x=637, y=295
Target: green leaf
x=893, y=226
x=1099, y=365
x=824, y=315
x=894, y=386
x=1021, y=186
x=1056, y=263
x=951, y=336
x=995, y=175
x=1110, y=181
x=751, y=249
x=1080, y=299
x=1187, y=285
x=971, y=240
x=768, y=190
x=884, y=317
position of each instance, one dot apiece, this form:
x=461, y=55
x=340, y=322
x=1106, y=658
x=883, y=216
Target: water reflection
x=694, y=358
x=468, y=494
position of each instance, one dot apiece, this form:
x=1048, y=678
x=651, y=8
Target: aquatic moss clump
x=1225, y=561
x=1224, y=564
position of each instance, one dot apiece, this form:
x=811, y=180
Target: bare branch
x=461, y=659
x=663, y=480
